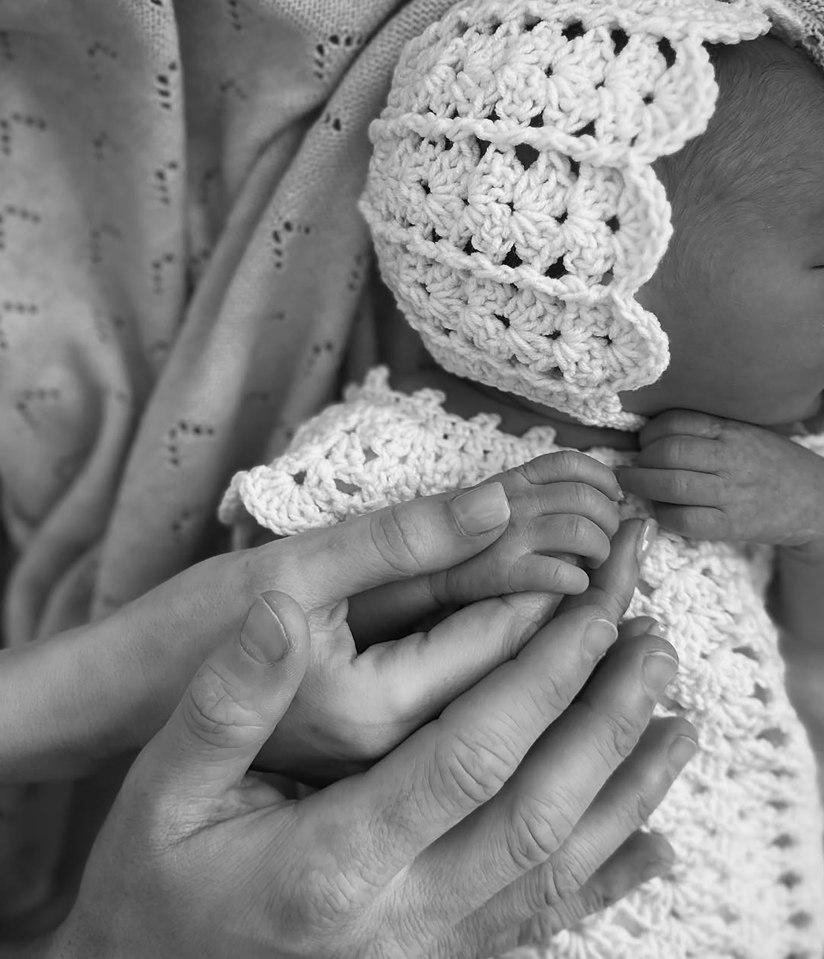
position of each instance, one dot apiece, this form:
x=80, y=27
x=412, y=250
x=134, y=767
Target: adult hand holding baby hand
x=717, y=479
x=525, y=794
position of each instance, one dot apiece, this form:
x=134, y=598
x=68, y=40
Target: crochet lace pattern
x=744, y=818
x=512, y=201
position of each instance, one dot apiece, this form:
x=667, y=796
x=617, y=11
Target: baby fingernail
x=646, y=538
x=659, y=668
x=599, y=636
x=482, y=509
x=656, y=868
x=681, y=751
x=661, y=630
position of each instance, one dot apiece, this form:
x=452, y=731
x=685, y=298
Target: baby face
x=745, y=322
x=741, y=290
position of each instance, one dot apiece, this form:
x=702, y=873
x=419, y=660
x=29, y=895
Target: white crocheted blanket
x=744, y=818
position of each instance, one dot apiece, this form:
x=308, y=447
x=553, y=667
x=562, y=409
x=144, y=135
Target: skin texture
x=447, y=843
x=563, y=513
x=740, y=290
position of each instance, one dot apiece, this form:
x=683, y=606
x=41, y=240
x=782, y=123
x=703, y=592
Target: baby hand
x=716, y=479
x=563, y=511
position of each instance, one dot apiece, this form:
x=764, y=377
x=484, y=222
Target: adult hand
x=116, y=682
x=525, y=793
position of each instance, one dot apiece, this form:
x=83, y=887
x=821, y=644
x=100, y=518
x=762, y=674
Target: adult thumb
x=408, y=539
x=233, y=703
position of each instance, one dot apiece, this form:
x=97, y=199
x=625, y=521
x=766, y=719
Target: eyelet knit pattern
x=744, y=818
x=511, y=197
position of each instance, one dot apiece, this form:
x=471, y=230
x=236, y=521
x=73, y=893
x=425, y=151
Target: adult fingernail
x=481, y=509
x=262, y=635
x=646, y=537
x=659, y=669
x=681, y=751
x=599, y=636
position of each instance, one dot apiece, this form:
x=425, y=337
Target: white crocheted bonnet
x=511, y=194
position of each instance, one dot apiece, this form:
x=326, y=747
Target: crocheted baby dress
x=744, y=817
x=515, y=214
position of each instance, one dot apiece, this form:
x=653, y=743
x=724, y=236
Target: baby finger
x=672, y=485
x=569, y=533
x=682, y=452
x=546, y=574
x=694, y=522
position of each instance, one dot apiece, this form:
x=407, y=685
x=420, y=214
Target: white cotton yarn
x=744, y=818
x=511, y=194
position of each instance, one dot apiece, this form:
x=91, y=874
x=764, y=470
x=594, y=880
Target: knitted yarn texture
x=744, y=818
x=511, y=195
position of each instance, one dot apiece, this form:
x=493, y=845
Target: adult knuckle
x=468, y=771
x=556, y=692
x=619, y=736
x=537, y=828
x=213, y=709
x=396, y=539
x=566, y=874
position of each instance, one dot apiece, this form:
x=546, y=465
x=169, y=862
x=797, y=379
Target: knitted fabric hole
x=761, y=693
x=619, y=40
x=299, y=478
x=667, y=52
x=784, y=841
x=774, y=736
x=512, y=259
x=748, y=652
x=557, y=270
x=573, y=30
x=526, y=154
x=349, y=488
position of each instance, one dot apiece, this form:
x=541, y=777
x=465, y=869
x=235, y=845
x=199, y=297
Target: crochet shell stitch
x=511, y=194
x=744, y=817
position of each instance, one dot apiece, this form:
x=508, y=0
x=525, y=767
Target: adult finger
x=232, y=705
x=612, y=584
x=535, y=813
x=419, y=675
x=630, y=796
x=461, y=760
x=420, y=536
x=642, y=857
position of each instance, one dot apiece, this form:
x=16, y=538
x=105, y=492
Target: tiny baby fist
x=563, y=512
x=710, y=478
